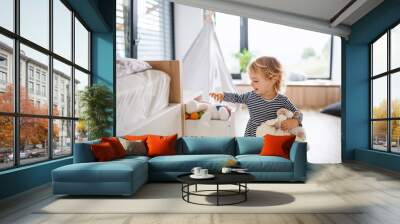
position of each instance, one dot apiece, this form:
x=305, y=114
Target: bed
x=149, y=102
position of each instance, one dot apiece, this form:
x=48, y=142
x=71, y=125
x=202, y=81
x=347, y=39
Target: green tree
x=308, y=52
x=97, y=104
x=244, y=57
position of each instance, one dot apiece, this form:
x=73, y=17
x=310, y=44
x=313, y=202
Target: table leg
x=217, y=194
x=196, y=188
x=188, y=189
x=245, y=193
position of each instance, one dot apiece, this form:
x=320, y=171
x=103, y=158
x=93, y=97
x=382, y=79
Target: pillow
x=103, y=152
x=161, y=145
x=129, y=66
x=135, y=147
x=116, y=145
x=136, y=137
x=333, y=109
x=277, y=145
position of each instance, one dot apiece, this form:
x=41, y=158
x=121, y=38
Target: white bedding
x=140, y=96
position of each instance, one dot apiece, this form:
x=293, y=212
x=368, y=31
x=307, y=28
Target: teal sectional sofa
x=125, y=176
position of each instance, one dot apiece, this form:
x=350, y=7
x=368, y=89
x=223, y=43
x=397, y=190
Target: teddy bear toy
x=273, y=126
x=205, y=111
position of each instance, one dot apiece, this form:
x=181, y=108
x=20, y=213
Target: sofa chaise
x=125, y=176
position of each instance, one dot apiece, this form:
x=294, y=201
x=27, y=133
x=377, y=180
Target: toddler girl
x=264, y=101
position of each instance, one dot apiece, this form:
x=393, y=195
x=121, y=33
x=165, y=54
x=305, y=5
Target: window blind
x=154, y=30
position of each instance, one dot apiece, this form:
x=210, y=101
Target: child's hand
x=289, y=124
x=217, y=96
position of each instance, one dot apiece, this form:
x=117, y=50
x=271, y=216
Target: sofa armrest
x=83, y=152
x=298, y=155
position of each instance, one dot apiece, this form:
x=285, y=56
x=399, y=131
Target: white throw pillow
x=130, y=66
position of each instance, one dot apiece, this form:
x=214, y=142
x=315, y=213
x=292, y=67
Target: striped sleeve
x=236, y=98
x=297, y=113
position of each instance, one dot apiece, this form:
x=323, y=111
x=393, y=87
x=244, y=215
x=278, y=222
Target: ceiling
x=327, y=16
x=319, y=9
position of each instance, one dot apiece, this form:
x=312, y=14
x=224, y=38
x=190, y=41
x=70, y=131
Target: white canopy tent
x=204, y=68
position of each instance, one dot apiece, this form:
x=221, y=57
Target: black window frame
x=133, y=31
x=16, y=115
x=388, y=74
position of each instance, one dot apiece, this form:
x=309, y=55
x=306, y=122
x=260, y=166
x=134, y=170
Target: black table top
x=220, y=178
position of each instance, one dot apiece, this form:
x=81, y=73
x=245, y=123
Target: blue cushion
x=111, y=171
x=257, y=163
x=83, y=152
x=249, y=145
x=185, y=163
x=133, y=157
x=206, y=145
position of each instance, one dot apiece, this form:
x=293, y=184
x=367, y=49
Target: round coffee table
x=238, y=179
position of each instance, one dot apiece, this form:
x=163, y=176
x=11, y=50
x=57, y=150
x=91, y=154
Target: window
x=6, y=142
x=63, y=73
x=81, y=45
x=37, y=75
x=3, y=72
x=81, y=81
x=309, y=54
x=30, y=87
x=44, y=132
x=62, y=29
x=7, y=14
x=38, y=89
x=3, y=78
x=44, y=91
x=227, y=28
x=151, y=27
x=6, y=73
x=123, y=24
x=385, y=98
x=30, y=72
x=62, y=137
x=34, y=22
x=3, y=61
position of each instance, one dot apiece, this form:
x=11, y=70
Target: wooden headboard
x=172, y=68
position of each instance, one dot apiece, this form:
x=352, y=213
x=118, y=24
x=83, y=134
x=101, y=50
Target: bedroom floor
x=378, y=190
x=323, y=134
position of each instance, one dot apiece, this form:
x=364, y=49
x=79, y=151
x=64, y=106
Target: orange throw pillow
x=103, y=152
x=277, y=145
x=161, y=145
x=116, y=145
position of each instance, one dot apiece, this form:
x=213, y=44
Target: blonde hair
x=270, y=67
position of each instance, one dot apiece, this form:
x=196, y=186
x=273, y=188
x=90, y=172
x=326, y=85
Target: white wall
x=188, y=23
x=337, y=61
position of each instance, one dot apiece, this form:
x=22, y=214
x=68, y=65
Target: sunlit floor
x=322, y=130
x=375, y=190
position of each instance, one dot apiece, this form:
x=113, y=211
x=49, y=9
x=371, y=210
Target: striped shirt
x=261, y=109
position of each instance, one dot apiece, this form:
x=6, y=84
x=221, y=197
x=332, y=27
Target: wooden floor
x=322, y=130
x=378, y=189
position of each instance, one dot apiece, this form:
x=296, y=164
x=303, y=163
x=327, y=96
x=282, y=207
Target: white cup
x=226, y=170
x=203, y=172
x=196, y=171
